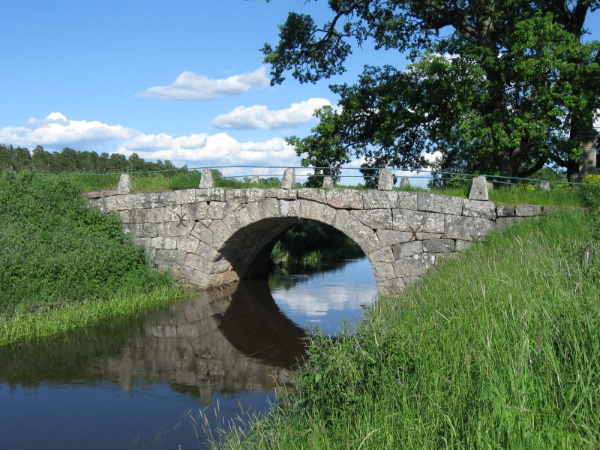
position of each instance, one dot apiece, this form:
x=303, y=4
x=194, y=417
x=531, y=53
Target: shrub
x=56, y=248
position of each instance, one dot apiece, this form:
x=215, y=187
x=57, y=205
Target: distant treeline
x=74, y=161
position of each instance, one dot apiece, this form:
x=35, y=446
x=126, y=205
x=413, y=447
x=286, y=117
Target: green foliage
x=499, y=348
x=309, y=243
x=505, y=91
x=57, y=249
x=74, y=161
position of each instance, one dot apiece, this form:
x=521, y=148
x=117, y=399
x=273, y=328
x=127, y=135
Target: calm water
x=160, y=381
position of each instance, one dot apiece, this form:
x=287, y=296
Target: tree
x=499, y=87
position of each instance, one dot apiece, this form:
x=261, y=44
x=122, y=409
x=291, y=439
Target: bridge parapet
x=214, y=236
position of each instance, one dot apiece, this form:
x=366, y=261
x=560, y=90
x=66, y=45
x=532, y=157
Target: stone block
x=316, y=195
x=438, y=245
x=217, y=195
x=125, y=186
x=407, y=200
x=407, y=249
x=467, y=228
x=207, y=253
x=327, y=215
x=205, y=235
x=288, y=181
x=163, y=243
x=124, y=202
x=294, y=209
x=479, y=189
x=184, y=196
x=195, y=277
x=216, y=210
x=352, y=227
x=386, y=180
x=478, y=208
x=245, y=195
x=187, y=243
x=528, y=210
x=377, y=219
x=545, y=186
x=409, y=267
x=220, y=230
x=373, y=199
x=182, y=228
x=345, y=199
x=125, y=216
x=383, y=255
x=505, y=211
x=206, y=179
x=243, y=217
x=173, y=214
x=393, y=237
x=255, y=179
x=404, y=182
x=253, y=211
x=444, y=204
x=384, y=272
x=427, y=259
x=137, y=200
x=169, y=257
x=418, y=221
x=141, y=230
x=328, y=183
x=195, y=211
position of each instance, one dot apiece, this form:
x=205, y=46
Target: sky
x=181, y=80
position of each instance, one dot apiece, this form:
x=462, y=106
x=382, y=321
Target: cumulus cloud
x=57, y=130
x=189, y=86
x=260, y=117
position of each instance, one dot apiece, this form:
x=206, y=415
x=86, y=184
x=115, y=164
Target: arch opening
x=249, y=250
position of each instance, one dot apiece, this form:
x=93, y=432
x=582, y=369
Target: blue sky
x=180, y=80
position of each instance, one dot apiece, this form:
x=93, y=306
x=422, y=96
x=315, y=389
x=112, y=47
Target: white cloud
x=189, y=86
x=260, y=117
x=57, y=130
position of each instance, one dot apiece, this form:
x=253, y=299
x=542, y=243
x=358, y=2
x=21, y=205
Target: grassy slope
x=65, y=264
x=499, y=348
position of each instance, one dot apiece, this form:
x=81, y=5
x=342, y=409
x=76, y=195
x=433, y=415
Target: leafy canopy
x=499, y=87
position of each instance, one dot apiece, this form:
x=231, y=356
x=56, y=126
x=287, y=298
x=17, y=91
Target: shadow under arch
x=248, y=250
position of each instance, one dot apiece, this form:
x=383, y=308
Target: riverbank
x=64, y=264
x=498, y=348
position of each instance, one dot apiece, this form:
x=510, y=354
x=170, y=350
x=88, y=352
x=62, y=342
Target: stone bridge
x=212, y=236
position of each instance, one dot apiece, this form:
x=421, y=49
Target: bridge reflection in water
x=233, y=338
x=231, y=346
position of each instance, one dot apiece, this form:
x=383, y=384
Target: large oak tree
x=499, y=87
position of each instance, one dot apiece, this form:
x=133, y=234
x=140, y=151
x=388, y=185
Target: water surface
x=162, y=379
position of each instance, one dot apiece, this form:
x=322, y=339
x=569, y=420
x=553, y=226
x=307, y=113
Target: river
x=168, y=378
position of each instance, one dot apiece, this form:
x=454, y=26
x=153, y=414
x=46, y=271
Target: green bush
x=56, y=248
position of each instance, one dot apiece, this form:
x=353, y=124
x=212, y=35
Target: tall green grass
x=498, y=348
x=56, y=249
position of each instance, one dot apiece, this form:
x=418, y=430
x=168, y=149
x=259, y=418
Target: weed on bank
x=58, y=252
x=498, y=348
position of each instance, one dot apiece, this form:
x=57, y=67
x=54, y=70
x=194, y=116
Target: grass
x=53, y=320
x=65, y=264
x=498, y=348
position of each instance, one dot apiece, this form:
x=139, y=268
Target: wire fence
x=399, y=173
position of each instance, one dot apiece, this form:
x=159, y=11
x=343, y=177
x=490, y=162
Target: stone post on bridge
x=125, y=186
x=206, y=180
x=386, y=180
x=289, y=179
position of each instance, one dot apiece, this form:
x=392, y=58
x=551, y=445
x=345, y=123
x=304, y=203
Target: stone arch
x=238, y=245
